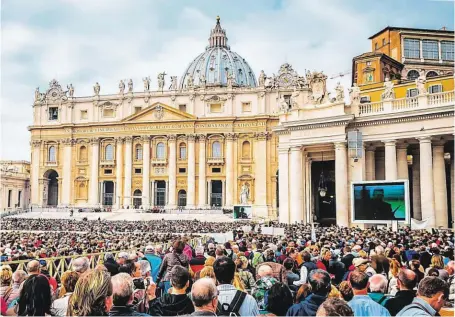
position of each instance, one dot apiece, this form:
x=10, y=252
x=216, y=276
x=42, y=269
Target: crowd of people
x=331, y=271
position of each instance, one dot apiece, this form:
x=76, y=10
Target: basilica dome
x=217, y=63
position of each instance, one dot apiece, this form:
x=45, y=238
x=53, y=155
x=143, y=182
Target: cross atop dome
x=218, y=36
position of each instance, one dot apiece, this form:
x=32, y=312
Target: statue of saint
x=420, y=83
x=146, y=81
x=230, y=81
x=96, y=89
x=339, y=92
x=130, y=85
x=190, y=81
x=261, y=79
x=354, y=94
x=203, y=81
x=388, y=91
x=161, y=80
x=37, y=94
x=174, y=82
x=121, y=87
x=70, y=90
x=283, y=104
x=244, y=194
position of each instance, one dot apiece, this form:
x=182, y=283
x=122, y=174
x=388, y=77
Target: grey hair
x=80, y=265
x=33, y=266
x=145, y=267
x=379, y=250
x=203, y=291
x=378, y=283
x=19, y=276
x=122, y=288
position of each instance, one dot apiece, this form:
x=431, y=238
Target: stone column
x=260, y=173
x=283, y=190
x=440, y=185
x=402, y=161
x=370, y=163
x=67, y=161
x=296, y=185
x=128, y=171
x=118, y=171
x=391, y=172
x=341, y=184
x=229, y=170
x=209, y=190
x=416, y=203
x=191, y=156
x=94, y=168
x=426, y=181
x=172, y=172
x=146, y=171
x=202, y=194
x=152, y=198
x=452, y=186
x=34, y=182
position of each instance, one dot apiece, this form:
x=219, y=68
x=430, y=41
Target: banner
x=418, y=224
x=273, y=231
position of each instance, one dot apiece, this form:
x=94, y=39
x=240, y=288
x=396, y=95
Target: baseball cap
x=359, y=261
x=149, y=248
x=124, y=255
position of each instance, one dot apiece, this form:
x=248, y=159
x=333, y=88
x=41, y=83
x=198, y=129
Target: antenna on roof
x=444, y=28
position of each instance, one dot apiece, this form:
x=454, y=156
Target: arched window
x=182, y=151
x=138, y=152
x=246, y=148
x=413, y=75
x=109, y=153
x=160, y=152
x=83, y=153
x=216, y=149
x=52, y=157
x=432, y=74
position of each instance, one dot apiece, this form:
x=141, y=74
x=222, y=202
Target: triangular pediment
x=159, y=112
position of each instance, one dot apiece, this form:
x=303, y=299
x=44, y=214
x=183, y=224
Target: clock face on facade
x=285, y=80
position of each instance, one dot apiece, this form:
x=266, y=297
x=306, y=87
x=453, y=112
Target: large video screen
x=380, y=201
x=243, y=212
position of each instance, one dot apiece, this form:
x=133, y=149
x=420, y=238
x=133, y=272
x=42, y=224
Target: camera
x=141, y=283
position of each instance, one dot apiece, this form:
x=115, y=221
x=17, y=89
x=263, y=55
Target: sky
x=87, y=41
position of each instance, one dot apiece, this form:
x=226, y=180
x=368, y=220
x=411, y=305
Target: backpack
x=233, y=308
x=258, y=258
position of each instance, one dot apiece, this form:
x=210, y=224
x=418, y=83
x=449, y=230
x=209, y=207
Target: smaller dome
x=217, y=62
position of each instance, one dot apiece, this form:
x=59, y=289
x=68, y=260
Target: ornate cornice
x=201, y=137
x=119, y=140
x=191, y=137
x=68, y=141
x=36, y=143
x=404, y=119
x=128, y=139
x=230, y=136
x=261, y=136
x=146, y=138
x=94, y=141
x=172, y=138
x=82, y=141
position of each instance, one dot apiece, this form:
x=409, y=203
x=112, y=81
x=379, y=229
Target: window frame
x=219, y=152
x=412, y=92
x=52, y=157
x=182, y=146
x=86, y=114
x=431, y=89
x=51, y=114
x=138, y=152
x=412, y=71
x=407, y=50
x=160, y=146
x=106, y=158
x=430, y=53
x=445, y=54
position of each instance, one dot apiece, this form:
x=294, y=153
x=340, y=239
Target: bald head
x=378, y=283
x=407, y=279
x=265, y=270
x=33, y=267
x=203, y=292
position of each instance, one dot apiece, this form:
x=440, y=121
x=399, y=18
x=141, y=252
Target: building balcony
x=51, y=163
x=406, y=104
x=107, y=162
x=215, y=160
x=159, y=161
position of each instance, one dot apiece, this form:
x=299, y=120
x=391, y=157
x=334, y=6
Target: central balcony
x=107, y=163
x=215, y=160
x=159, y=161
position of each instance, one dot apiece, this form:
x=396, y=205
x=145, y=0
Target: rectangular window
x=215, y=108
x=412, y=92
x=137, y=109
x=182, y=108
x=137, y=170
x=108, y=171
x=19, y=194
x=430, y=49
x=411, y=48
x=84, y=114
x=364, y=99
x=10, y=194
x=246, y=106
x=53, y=113
x=182, y=170
x=108, y=113
x=216, y=170
x=435, y=89
x=447, y=50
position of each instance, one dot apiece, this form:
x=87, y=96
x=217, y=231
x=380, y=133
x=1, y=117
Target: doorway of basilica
x=216, y=194
x=52, y=187
x=108, y=193
x=323, y=191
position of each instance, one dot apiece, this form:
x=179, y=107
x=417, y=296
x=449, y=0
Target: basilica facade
x=192, y=142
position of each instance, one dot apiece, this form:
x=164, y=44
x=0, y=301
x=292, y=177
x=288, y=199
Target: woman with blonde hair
x=395, y=267
x=245, y=275
x=60, y=305
x=437, y=262
x=207, y=272
x=5, y=280
x=92, y=295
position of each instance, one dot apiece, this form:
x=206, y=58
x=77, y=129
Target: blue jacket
x=155, y=263
x=307, y=307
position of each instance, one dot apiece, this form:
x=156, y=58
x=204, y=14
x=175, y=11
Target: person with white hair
x=122, y=291
x=18, y=277
x=154, y=260
x=378, y=288
x=146, y=268
x=197, y=262
x=81, y=265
